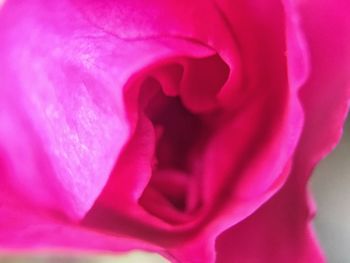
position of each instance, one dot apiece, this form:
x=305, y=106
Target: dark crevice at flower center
x=181, y=133
x=178, y=133
x=176, y=129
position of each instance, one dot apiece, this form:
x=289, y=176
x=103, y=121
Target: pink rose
x=189, y=128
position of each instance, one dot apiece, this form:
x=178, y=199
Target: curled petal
x=281, y=229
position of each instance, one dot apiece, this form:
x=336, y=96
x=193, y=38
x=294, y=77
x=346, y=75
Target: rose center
x=178, y=134
x=176, y=129
x=180, y=111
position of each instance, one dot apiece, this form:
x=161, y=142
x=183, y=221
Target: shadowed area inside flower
x=176, y=103
x=177, y=131
x=186, y=145
x=180, y=136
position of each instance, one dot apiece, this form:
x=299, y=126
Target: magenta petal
x=281, y=231
x=63, y=114
x=70, y=115
x=63, y=118
x=261, y=139
x=276, y=232
x=22, y=229
x=59, y=112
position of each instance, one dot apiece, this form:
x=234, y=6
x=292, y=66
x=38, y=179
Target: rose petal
x=64, y=101
x=70, y=119
x=93, y=80
x=24, y=229
x=276, y=232
x=70, y=116
x=268, y=162
x=280, y=231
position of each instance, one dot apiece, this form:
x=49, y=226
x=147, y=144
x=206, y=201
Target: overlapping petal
x=77, y=81
x=281, y=230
